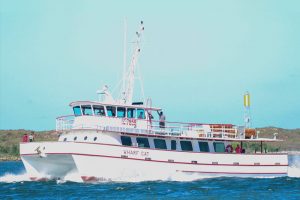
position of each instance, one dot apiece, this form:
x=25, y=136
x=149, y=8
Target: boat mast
x=124, y=58
x=130, y=74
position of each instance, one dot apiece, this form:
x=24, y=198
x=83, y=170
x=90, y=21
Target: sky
x=197, y=58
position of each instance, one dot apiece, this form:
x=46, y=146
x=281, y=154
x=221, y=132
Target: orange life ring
x=229, y=148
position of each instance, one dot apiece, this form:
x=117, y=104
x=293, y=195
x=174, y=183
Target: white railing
x=66, y=123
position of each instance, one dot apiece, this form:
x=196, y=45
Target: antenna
x=130, y=75
x=247, y=114
x=124, y=57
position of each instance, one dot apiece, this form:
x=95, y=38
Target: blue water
x=14, y=184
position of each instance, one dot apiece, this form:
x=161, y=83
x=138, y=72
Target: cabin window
x=111, y=111
x=141, y=113
x=203, y=146
x=131, y=112
x=173, y=144
x=186, y=146
x=160, y=144
x=219, y=147
x=99, y=110
x=143, y=142
x=87, y=110
x=77, y=111
x=126, y=141
x=121, y=112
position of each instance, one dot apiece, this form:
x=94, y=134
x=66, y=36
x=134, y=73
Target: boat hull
x=97, y=162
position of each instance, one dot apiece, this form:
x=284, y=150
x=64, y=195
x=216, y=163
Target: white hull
x=114, y=162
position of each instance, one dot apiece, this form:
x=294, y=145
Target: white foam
x=11, y=178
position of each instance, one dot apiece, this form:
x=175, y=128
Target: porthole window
x=65, y=139
x=75, y=138
x=95, y=138
x=85, y=138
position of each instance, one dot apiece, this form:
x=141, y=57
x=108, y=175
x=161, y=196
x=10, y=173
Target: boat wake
x=293, y=172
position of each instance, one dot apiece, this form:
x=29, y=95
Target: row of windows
x=75, y=138
x=161, y=144
x=110, y=111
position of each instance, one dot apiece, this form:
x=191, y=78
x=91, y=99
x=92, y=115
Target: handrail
x=66, y=123
x=150, y=120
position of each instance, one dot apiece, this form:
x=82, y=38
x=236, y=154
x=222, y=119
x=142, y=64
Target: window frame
x=117, y=112
x=76, y=115
x=123, y=136
x=134, y=113
x=172, y=143
x=99, y=110
x=161, y=140
x=137, y=113
x=113, y=108
x=186, y=142
x=206, y=146
x=143, y=138
x=92, y=112
x=215, y=144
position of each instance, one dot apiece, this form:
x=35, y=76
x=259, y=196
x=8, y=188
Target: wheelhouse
x=87, y=108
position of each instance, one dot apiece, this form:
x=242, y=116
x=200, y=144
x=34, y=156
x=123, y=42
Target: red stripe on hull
x=161, y=161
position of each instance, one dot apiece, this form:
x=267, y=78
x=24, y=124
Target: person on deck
x=31, y=137
x=141, y=116
x=238, y=149
x=162, y=120
x=25, y=138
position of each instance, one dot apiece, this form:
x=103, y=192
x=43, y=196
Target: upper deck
x=140, y=119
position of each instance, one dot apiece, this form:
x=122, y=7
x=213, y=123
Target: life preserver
x=229, y=148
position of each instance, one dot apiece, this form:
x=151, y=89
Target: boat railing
x=66, y=123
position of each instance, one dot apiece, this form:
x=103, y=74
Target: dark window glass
x=160, y=144
x=121, y=112
x=219, y=147
x=75, y=138
x=186, y=146
x=143, y=142
x=85, y=137
x=126, y=141
x=131, y=112
x=95, y=138
x=111, y=111
x=203, y=146
x=141, y=113
x=65, y=139
x=99, y=110
x=173, y=144
x=77, y=111
x=87, y=110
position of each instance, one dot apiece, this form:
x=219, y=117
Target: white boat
x=109, y=139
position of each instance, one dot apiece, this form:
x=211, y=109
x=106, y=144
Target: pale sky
x=197, y=58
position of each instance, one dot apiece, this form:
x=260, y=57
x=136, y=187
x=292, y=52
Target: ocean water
x=15, y=184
